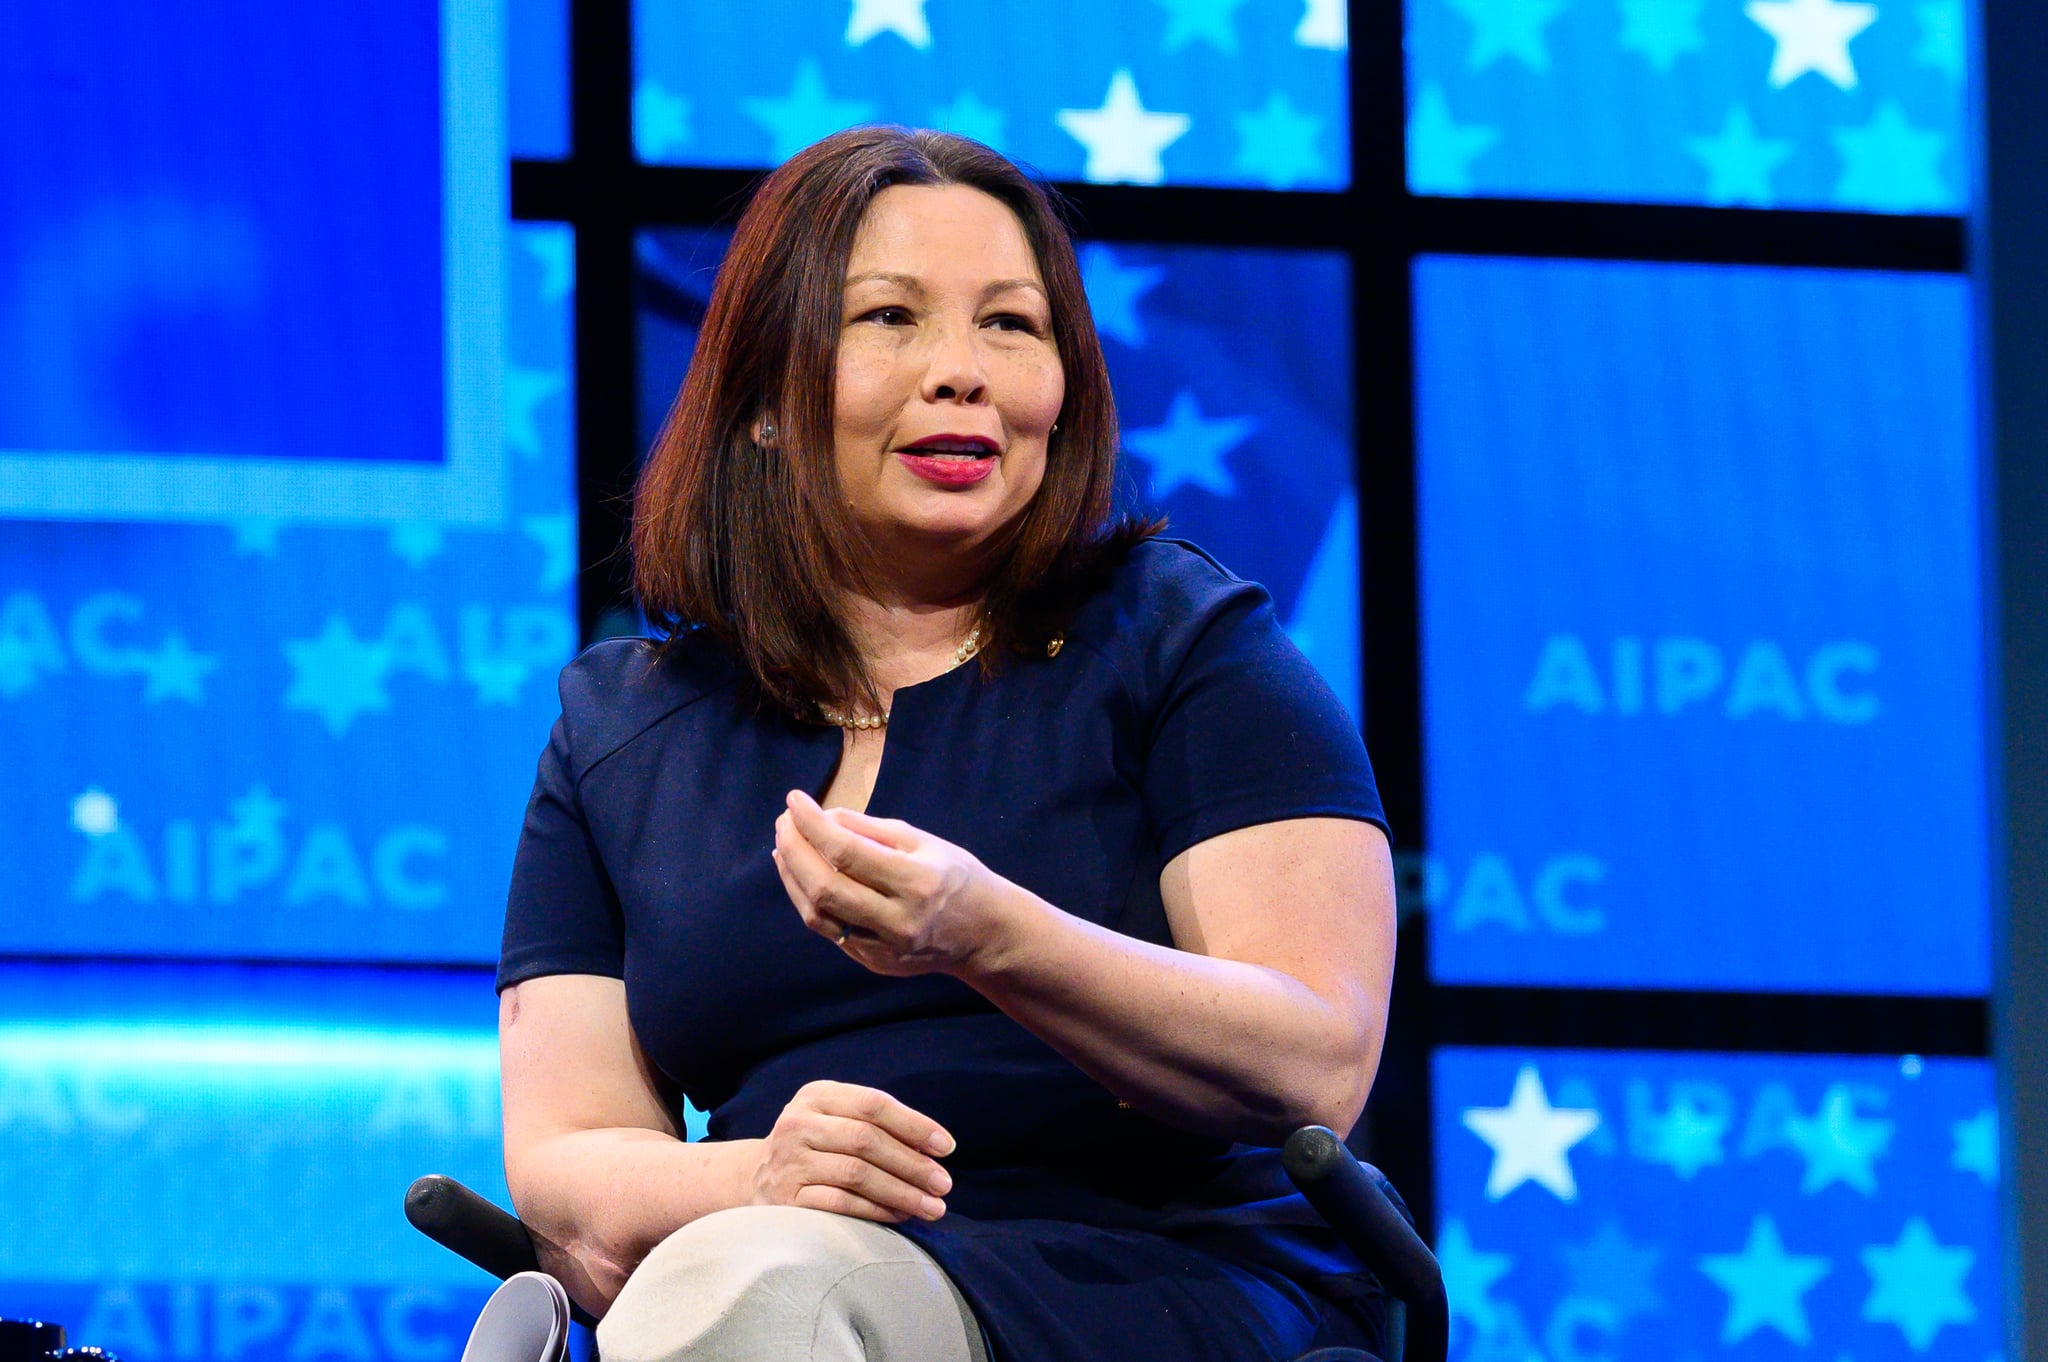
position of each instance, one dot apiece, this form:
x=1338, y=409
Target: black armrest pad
x=456, y=1218
x=1358, y=1205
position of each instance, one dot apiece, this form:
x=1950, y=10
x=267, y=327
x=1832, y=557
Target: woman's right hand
x=855, y=1151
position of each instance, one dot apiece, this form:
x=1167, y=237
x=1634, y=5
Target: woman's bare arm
x=596, y=1167
x=600, y=1176
x=1268, y=1013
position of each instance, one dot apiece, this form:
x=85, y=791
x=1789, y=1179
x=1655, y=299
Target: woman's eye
x=1011, y=321
x=888, y=316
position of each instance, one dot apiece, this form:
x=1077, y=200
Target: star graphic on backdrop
x=1941, y=36
x=556, y=535
x=1976, y=1149
x=1812, y=35
x=336, y=675
x=1200, y=20
x=95, y=813
x=256, y=537
x=1278, y=143
x=1324, y=25
x=1662, y=30
x=1530, y=1138
x=1190, y=447
x=1739, y=163
x=1764, y=1285
x=799, y=118
x=1686, y=1138
x=1508, y=28
x=1837, y=1144
x=1440, y=151
x=1469, y=1275
x=1114, y=290
x=174, y=669
x=258, y=813
x=1918, y=1285
x=1890, y=165
x=970, y=117
x=904, y=18
x=417, y=541
x=1611, y=1269
x=556, y=252
x=661, y=121
x=525, y=390
x=497, y=679
x=1123, y=137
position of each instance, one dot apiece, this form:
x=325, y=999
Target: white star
x=175, y=670
x=1812, y=35
x=1976, y=1148
x=661, y=121
x=1530, y=1138
x=1190, y=447
x=1766, y=1286
x=1323, y=25
x=904, y=18
x=1123, y=138
x=337, y=675
x=1469, y=1275
x=1917, y=1284
x=1114, y=290
x=1440, y=149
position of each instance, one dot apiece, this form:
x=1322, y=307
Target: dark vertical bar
x=2010, y=255
x=1385, y=462
x=601, y=147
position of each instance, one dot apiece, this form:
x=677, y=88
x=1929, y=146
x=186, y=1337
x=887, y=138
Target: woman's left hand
x=895, y=898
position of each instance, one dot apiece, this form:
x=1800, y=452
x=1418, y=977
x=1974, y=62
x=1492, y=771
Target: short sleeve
x=1246, y=731
x=562, y=915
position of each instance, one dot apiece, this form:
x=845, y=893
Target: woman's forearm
x=598, y=1201
x=1207, y=1044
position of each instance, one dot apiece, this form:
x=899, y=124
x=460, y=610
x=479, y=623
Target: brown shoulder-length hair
x=755, y=545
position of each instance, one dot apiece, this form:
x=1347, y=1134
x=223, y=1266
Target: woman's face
x=948, y=380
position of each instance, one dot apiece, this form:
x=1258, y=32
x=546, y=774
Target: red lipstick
x=951, y=460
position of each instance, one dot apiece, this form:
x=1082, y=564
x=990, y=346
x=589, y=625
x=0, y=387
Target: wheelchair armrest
x=1352, y=1200
x=470, y=1225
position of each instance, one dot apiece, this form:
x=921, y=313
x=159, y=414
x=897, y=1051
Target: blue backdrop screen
x=268, y=737
x=1702, y=664
x=207, y=283
x=1232, y=371
x=1247, y=93
x=1769, y=104
x=1638, y=1205
x=208, y=1163
x=537, y=75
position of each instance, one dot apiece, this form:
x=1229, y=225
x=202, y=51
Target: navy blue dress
x=1078, y=1229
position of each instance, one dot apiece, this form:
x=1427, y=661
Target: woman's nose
x=953, y=371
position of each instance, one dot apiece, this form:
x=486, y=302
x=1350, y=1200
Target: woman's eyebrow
x=909, y=281
x=916, y=285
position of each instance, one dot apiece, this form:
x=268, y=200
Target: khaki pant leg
x=787, y=1284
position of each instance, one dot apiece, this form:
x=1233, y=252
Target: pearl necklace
x=872, y=721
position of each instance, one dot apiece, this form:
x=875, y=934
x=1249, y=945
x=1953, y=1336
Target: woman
x=991, y=876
